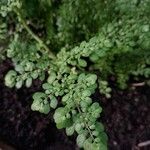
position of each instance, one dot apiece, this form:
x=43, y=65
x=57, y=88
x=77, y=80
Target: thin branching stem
x=34, y=36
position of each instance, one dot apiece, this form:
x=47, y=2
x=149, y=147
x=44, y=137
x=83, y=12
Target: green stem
x=51, y=55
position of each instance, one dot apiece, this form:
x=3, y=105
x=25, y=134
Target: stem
x=138, y=84
x=51, y=55
x=142, y=144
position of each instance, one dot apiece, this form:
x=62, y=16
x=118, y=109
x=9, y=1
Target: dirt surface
x=126, y=117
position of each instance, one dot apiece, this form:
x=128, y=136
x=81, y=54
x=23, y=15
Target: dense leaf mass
x=73, y=46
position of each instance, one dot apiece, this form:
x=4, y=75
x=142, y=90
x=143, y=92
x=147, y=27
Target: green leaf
x=10, y=78
x=65, y=98
x=42, y=76
x=80, y=140
x=46, y=86
x=92, y=127
x=103, y=137
x=39, y=96
x=84, y=104
x=70, y=130
x=34, y=75
x=95, y=106
x=40, y=106
x=81, y=77
x=82, y=63
x=108, y=90
x=78, y=127
x=19, y=68
x=60, y=119
x=145, y=28
x=28, y=82
x=99, y=127
x=51, y=77
x=86, y=93
x=40, y=103
x=19, y=84
x=29, y=66
x=53, y=102
x=88, y=100
x=64, y=124
x=91, y=78
x=89, y=145
x=108, y=43
x=95, y=133
x=103, y=146
x=94, y=57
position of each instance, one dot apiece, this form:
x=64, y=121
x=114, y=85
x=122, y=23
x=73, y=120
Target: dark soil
x=126, y=117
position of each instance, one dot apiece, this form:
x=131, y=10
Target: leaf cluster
x=90, y=40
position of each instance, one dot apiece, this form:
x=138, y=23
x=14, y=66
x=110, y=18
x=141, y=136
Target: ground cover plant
x=73, y=47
